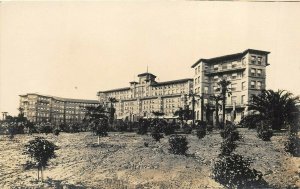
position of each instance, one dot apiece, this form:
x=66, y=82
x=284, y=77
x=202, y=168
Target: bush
x=292, y=146
x=264, y=131
x=169, y=129
x=230, y=131
x=250, y=121
x=178, y=144
x=44, y=128
x=187, y=129
x=234, y=172
x=201, y=133
x=157, y=136
x=56, y=132
x=121, y=126
x=227, y=147
x=209, y=128
x=142, y=127
x=156, y=133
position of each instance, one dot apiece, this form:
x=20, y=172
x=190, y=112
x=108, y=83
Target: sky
x=74, y=49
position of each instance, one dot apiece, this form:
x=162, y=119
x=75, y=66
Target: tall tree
x=277, y=107
x=112, y=111
x=223, y=87
x=98, y=120
x=207, y=112
x=216, y=99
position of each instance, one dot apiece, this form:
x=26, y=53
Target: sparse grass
x=124, y=160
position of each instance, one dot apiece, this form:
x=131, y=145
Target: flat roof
x=230, y=56
x=172, y=82
x=63, y=99
x=114, y=90
x=154, y=84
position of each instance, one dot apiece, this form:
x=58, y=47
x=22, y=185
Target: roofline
x=155, y=84
x=146, y=73
x=62, y=99
x=113, y=90
x=173, y=81
x=231, y=56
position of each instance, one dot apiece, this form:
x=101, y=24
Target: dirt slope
x=122, y=161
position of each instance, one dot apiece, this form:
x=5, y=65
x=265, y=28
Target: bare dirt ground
x=122, y=161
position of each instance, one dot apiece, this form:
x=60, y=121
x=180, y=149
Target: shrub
x=209, y=128
x=250, y=121
x=142, y=127
x=169, y=129
x=292, y=146
x=234, y=172
x=201, y=132
x=56, y=132
x=230, y=131
x=121, y=126
x=157, y=136
x=156, y=133
x=178, y=144
x=264, y=131
x=44, y=128
x=187, y=129
x=227, y=147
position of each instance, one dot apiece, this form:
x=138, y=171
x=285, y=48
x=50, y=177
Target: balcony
x=212, y=71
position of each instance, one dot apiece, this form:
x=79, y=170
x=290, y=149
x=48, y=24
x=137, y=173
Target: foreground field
x=123, y=161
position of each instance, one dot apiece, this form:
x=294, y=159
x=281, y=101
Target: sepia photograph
x=149, y=94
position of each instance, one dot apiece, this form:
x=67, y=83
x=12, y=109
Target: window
x=216, y=67
x=199, y=79
x=253, y=71
x=252, y=84
x=233, y=86
x=258, y=84
x=206, y=90
x=216, y=78
x=196, y=70
x=243, y=85
x=233, y=65
x=259, y=60
x=243, y=99
x=196, y=81
x=206, y=78
x=253, y=59
x=234, y=76
x=259, y=71
x=233, y=99
x=224, y=66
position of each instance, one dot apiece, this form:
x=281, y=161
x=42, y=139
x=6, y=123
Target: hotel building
x=44, y=108
x=245, y=70
x=147, y=95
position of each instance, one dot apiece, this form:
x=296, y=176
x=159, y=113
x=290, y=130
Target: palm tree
x=224, y=89
x=277, y=107
x=207, y=112
x=216, y=99
x=112, y=100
